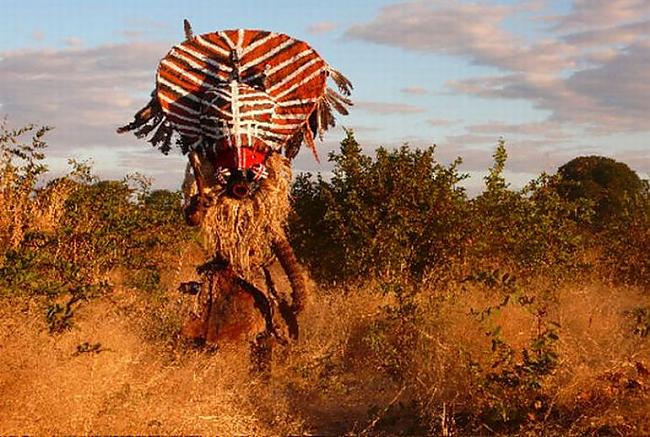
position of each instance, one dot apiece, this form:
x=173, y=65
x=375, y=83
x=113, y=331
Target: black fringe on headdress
x=149, y=119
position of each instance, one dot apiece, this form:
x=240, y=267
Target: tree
x=613, y=188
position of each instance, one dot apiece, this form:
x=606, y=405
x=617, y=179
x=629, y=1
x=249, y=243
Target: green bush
x=621, y=221
x=531, y=231
x=401, y=213
x=70, y=235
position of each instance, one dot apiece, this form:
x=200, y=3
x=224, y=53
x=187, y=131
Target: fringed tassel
x=322, y=118
x=308, y=136
x=342, y=82
x=338, y=101
x=150, y=119
x=162, y=138
x=292, y=147
x=150, y=111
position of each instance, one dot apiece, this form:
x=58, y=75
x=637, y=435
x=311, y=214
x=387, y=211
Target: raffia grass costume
x=243, y=230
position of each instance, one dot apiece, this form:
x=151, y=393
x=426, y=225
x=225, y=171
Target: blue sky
x=557, y=79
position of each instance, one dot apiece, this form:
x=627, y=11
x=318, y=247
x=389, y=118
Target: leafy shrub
x=533, y=230
x=69, y=236
x=403, y=214
x=399, y=214
x=621, y=221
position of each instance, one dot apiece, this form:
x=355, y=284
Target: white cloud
x=607, y=36
x=414, y=90
x=589, y=14
x=322, y=27
x=441, y=122
x=472, y=30
x=131, y=34
x=546, y=130
x=610, y=97
x=527, y=155
x=386, y=108
x=620, y=84
x=73, y=42
x=588, y=68
x=85, y=93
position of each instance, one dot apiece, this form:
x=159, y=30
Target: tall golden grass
x=341, y=377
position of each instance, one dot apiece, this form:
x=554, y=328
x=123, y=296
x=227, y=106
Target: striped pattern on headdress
x=255, y=88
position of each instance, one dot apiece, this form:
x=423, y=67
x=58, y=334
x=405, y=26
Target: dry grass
x=16, y=206
x=21, y=211
x=130, y=387
x=336, y=379
x=601, y=380
x=146, y=380
x=50, y=203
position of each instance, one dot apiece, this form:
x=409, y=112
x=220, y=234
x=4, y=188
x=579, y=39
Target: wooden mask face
x=236, y=124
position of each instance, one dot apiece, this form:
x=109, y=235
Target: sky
x=555, y=79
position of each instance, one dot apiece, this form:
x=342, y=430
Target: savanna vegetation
x=518, y=311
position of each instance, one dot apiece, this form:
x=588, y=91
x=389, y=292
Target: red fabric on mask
x=238, y=159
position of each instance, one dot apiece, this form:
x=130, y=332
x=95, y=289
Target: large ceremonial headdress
x=234, y=97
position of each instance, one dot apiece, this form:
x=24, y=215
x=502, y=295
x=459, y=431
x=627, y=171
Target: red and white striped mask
x=234, y=97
